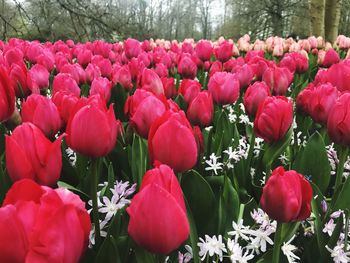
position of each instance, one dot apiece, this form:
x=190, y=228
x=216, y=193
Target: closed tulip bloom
x=189, y=89
x=92, y=129
x=328, y=58
x=150, y=81
x=18, y=75
x=91, y=72
x=132, y=48
x=215, y=67
x=173, y=131
x=273, y=118
x=29, y=154
x=317, y=101
x=158, y=220
x=286, y=196
x=254, y=95
x=338, y=75
x=201, y=109
x=143, y=109
x=101, y=86
x=204, y=50
x=338, y=124
x=224, y=88
x=224, y=52
x=187, y=68
x=7, y=95
x=44, y=225
x=64, y=81
x=278, y=79
x=65, y=102
x=123, y=77
x=42, y=112
x=169, y=87
x=39, y=77
x=161, y=70
x=84, y=57
x=245, y=75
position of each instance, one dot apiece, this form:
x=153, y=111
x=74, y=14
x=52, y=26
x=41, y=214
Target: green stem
x=277, y=244
x=160, y=258
x=340, y=169
x=94, y=182
x=250, y=152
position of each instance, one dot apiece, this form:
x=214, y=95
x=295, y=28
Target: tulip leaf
x=108, y=251
x=200, y=197
x=341, y=198
x=181, y=102
x=313, y=160
x=139, y=155
x=72, y=188
x=276, y=149
x=119, y=96
x=193, y=238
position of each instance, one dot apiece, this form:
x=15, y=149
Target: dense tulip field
x=161, y=151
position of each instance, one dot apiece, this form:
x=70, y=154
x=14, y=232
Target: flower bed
x=161, y=151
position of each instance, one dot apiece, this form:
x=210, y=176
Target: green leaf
x=72, y=188
x=139, y=155
x=313, y=160
x=181, y=102
x=276, y=149
x=193, y=239
x=200, y=197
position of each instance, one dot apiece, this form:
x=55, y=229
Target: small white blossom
x=184, y=258
x=232, y=117
x=239, y=231
x=92, y=234
x=329, y=227
x=212, y=246
x=245, y=120
x=262, y=238
x=288, y=250
x=338, y=254
x=213, y=163
x=236, y=252
x=283, y=158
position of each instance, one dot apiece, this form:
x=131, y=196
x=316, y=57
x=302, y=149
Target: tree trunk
x=317, y=13
x=277, y=20
x=332, y=16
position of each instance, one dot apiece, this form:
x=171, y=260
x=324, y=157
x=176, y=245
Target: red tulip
x=84, y=57
x=132, y=48
x=317, y=101
x=187, y=68
x=64, y=81
x=18, y=74
x=338, y=124
x=29, y=154
x=245, y=75
x=273, y=118
x=44, y=225
x=224, y=88
x=65, y=102
x=158, y=220
x=42, y=112
x=328, y=58
x=149, y=80
x=278, y=79
x=101, y=86
x=92, y=129
x=39, y=77
x=92, y=72
x=143, y=109
x=169, y=87
x=224, y=52
x=189, y=89
x=201, y=109
x=173, y=131
x=123, y=77
x=254, y=95
x=215, y=67
x=161, y=70
x=204, y=50
x=7, y=95
x=286, y=196
x=338, y=75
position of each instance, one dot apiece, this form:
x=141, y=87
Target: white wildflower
x=329, y=227
x=237, y=254
x=239, y=230
x=262, y=238
x=213, y=163
x=212, y=246
x=288, y=250
x=338, y=254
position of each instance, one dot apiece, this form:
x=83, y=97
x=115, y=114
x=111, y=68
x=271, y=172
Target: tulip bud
x=273, y=118
x=92, y=129
x=254, y=95
x=29, y=154
x=158, y=220
x=149, y=80
x=201, y=109
x=42, y=112
x=101, y=86
x=64, y=81
x=338, y=124
x=132, y=48
x=224, y=51
x=286, y=196
x=187, y=68
x=189, y=89
x=173, y=131
x=224, y=88
x=169, y=87
x=7, y=95
x=278, y=79
x=204, y=50
x=143, y=109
